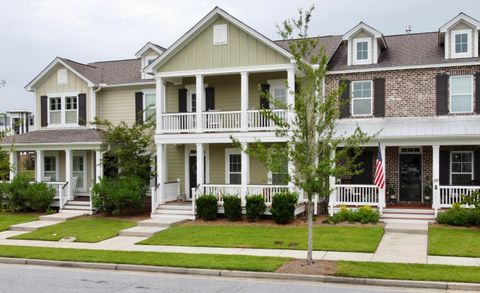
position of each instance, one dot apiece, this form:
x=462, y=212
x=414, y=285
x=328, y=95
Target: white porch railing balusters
x=258, y=121
x=350, y=194
x=267, y=191
x=450, y=195
x=221, y=121
x=178, y=122
x=171, y=192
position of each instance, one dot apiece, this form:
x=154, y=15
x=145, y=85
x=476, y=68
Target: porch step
x=161, y=222
x=157, y=215
x=78, y=203
x=409, y=211
x=420, y=227
x=398, y=215
x=173, y=211
x=175, y=207
x=141, y=231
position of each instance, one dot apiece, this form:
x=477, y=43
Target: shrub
x=119, y=196
x=16, y=193
x=283, y=207
x=364, y=215
x=460, y=216
x=207, y=207
x=40, y=196
x=233, y=207
x=255, y=207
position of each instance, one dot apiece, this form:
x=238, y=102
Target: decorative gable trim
x=151, y=46
x=375, y=45
x=202, y=24
x=460, y=17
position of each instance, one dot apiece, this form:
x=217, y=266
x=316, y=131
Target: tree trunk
x=310, y=230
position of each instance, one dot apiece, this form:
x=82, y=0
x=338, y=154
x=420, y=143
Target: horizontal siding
x=176, y=164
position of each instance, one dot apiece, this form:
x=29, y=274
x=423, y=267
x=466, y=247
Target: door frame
x=187, y=154
x=85, y=168
x=56, y=155
x=404, y=151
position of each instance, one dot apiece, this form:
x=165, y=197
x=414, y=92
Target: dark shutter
x=210, y=98
x=442, y=94
x=82, y=109
x=264, y=96
x=477, y=92
x=444, y=167
x=43, y=111
x=139, y=107
x=27, y=122
x=182, y=100
x=366, y=177
x=476, y=165
x=379, y=97
x=345, y=99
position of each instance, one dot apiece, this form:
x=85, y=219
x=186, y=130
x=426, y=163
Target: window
x=55, y=110
x=31, y=120
x=233, y=166
x=461, y=94
x=279, y=93
x=62, y=76
x=362, y=98
x=362, y=51
x=78, y=170
x=461, y=168
x=50, y=167
x=220, y=34
x=149, y=105
x=461, y=44
x=71, y=110
x=279, y=178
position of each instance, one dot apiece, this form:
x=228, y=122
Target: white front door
x=79, y=170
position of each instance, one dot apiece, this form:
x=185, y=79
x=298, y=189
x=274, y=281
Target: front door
x=79, y=170
x=410, y=177
x=192, y=167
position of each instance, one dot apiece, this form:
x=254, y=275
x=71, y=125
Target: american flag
x=379, y=176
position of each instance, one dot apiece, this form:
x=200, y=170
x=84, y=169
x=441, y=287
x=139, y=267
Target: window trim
x=450, y=94
x=354, y=51
x=228, y=152
x=469, y=52
x=57, y=165
x=352, y=98
x=144, y=102
x=62, y=97
x=278, y=83
x=451, y=161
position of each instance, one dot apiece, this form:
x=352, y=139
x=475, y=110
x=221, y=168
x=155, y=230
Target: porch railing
x=179, y=122
x=267, y=191
x=350, y=194
x=221, y=121
x=61, y=192
x=450, y=195
x=258, y=121
x=171, y=192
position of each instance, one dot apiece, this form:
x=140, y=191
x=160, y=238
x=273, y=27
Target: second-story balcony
x=219, y=121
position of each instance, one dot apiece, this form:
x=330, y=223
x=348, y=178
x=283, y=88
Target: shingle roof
x=55, y=136
x=330, y=43
x=403, y=50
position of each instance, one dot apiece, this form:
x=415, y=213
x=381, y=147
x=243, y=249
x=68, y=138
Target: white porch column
x=333, y=193
x=245, y=163
x=435, y=177
x=98, y=166
x=13, y=164
x=39, y=166
x=200, y=164
x=159, y=102
x=382, y=192
x=244, y=100
x=199, y=95
x=160, y=174
x=68, y=171
x=291, y=92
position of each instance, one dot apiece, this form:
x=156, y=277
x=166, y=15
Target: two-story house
x=16, y=122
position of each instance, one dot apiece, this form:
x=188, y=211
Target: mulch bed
x=298, y=266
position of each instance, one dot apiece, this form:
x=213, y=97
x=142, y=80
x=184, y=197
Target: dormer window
x=362, y=53
x=461, y=44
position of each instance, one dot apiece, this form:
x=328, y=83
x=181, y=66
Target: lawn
x=84, y=229
x=454, y=241
x=7, y=220
x=333, y=238
x=417, y=272
x=185, y=260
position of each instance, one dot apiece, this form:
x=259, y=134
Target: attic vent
x=62, y=76
x=220, y=34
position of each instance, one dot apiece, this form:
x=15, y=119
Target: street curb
x=246, y=274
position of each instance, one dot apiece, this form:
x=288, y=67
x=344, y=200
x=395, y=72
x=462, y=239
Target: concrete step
x=61, y=217
x=172, y=216
x=78, y=203
x=141, y=231
x=409, y=211
x=175, y=207
x=32, y=226
x=408, y=228
x=408, y=216
x=74, y=207
x=173, y=212
x=161, y=222
x=405, y=221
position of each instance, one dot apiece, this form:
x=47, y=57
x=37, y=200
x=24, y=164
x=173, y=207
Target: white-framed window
x=233, y=166
x=147, y=60
x=362, y=98
x=461, y=167
x=71, y=110
x=55, y=110
x=50, y=166
x=280, y=177
x=149, y=103
x=62, y=76
x=220, y=34
x=362, y=51
x=461, y=43
x=278, y=91
x=192, y=97
x=461, y=94
x=79, y=170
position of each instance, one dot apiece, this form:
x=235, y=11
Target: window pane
x=150, y=114
x=149, y=100
x=456, y=167
x=55, y=118
x=279, y=179
x=194, y=102
x=461, y=179
x=461, y=84
x=461, y=43
x=362, y=89
x=467, y=167
x=235, y=179
x=466, y=157
x=235, y=163
x=362, y=107
x=362, y=50
x=71, y=117
x=461, y=103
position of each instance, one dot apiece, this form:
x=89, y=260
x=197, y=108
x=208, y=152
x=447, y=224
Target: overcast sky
x=34, y=32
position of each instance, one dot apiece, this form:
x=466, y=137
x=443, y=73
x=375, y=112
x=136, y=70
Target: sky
x=34, y=32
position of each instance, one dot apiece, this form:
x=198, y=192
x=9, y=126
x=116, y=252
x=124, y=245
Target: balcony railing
x=218, y=121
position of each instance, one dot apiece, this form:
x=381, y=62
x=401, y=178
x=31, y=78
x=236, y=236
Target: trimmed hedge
x=460, y=216
x=255, y=207
x=20, y=195
x=120, y=196
x=364, y=215
x=233, y=207
x=207, y=207
x=283, y=207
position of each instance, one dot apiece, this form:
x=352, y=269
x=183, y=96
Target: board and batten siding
x=50, y=86
x=242, y=49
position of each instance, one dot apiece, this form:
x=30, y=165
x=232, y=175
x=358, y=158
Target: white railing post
x=435, y=178
x=159, y=101
x=39, y=166
x=291, y=93
x=332, y=182
x=199, y=96
x=244, y=100
x=160, y=172
x=153, y=199
x=68, y=170
x=245, y=173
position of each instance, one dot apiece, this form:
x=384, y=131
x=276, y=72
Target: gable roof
x=460, y=17
x=201, y=25
x=157, y=48
x=363, y=26
x=329, y=43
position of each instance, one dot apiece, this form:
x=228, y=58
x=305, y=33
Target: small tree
x=312, y=144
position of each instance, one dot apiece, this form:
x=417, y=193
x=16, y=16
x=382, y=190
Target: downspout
x=93, y=101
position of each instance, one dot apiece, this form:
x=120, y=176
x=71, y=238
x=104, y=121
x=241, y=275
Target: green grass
x=84, y=229
x=417, y=272
x=7, y=220
x=454, y=241
x=333, y=238
x=204, y=261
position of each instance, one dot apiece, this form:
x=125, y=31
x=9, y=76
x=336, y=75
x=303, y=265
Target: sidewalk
x=127, y=243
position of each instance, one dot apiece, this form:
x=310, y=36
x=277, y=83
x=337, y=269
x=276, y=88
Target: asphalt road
x=38, y=279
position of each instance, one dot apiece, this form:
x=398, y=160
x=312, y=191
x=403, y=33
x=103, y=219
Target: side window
x=149, y=106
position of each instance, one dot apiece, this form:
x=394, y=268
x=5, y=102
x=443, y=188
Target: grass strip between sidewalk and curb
x=84, y=229
x=330, y=238
x=454, y=241
x=7, y=220
x=184, y=260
